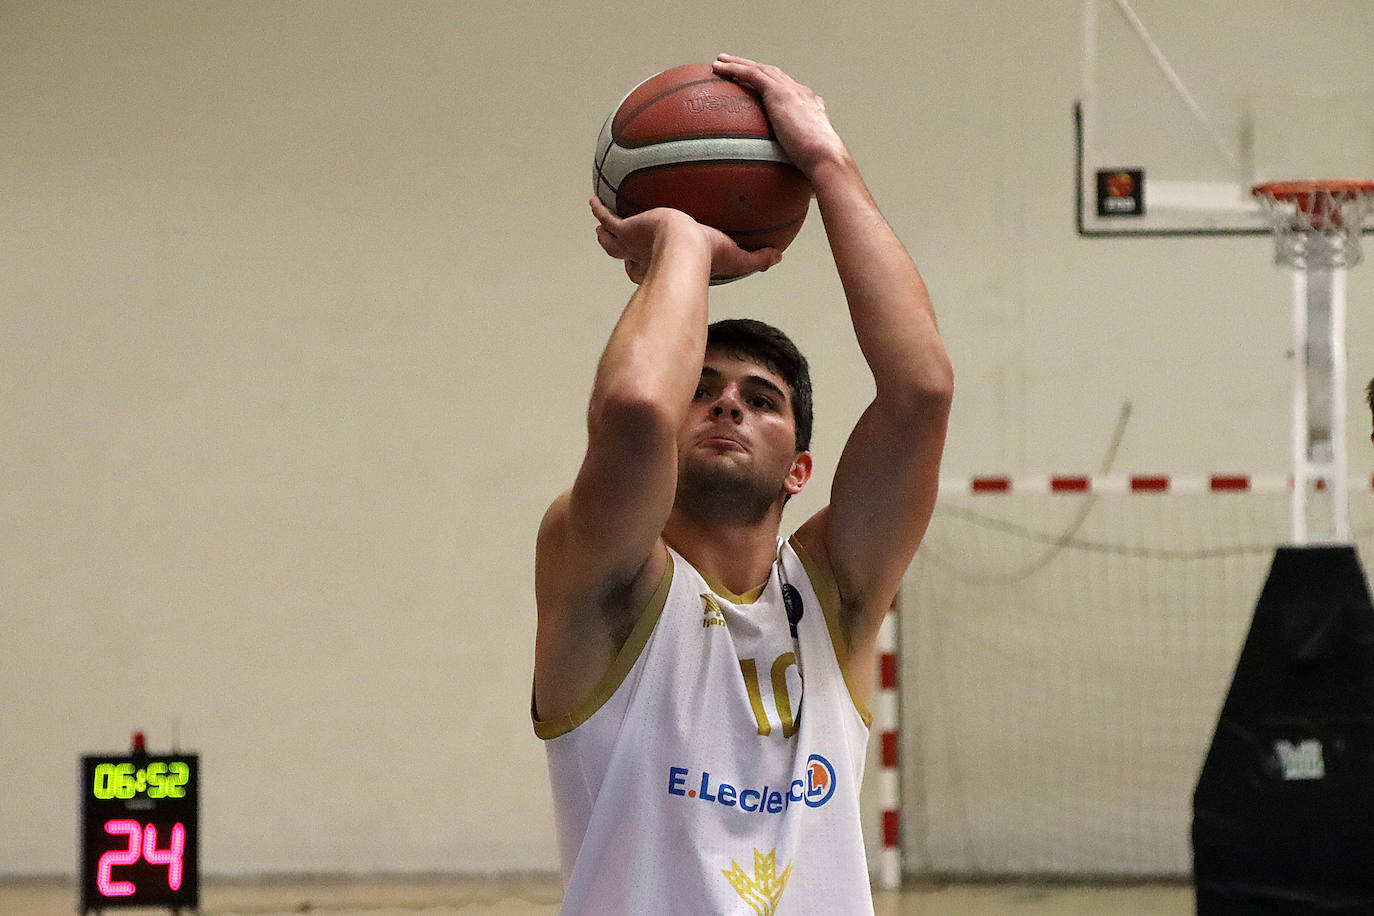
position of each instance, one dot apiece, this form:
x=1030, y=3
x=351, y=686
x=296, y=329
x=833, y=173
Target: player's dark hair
x=769, y=347
x=1369, y=396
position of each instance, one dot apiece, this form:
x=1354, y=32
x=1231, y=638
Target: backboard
x=1185, y=105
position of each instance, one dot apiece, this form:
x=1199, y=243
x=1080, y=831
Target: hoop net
x=1317, y=224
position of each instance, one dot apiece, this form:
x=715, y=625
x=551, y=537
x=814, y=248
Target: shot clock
x=140, y=842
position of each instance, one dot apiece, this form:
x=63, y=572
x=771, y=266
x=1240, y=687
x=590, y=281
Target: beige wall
x=300, y=304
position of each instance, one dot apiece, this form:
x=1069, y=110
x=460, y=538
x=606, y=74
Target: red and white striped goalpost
x=886, y=719
x=1121, y=484
x=887, y=698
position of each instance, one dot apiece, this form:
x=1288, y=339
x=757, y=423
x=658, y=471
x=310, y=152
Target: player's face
x=740, y=436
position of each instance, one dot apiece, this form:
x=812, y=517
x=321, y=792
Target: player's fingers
x=603, y=214
x=609, y=243
x=734, y=60
x=767, y=257
x=739, y=69
x=749, y=72
x=747, y=262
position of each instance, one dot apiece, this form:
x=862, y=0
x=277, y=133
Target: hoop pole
x=1340, y=461
x=1333, y=472
x=1298, y=440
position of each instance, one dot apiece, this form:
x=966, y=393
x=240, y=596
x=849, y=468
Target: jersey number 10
x=782, y=699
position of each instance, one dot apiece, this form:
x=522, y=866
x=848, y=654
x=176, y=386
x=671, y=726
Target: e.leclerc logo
x=813, y=788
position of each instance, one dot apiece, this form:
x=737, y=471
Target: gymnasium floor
x=431, y=896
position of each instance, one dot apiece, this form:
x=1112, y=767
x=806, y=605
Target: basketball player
x=1369, y=398
x=701, y=684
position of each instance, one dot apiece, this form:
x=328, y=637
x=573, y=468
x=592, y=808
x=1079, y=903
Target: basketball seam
x=684, y=163
x=600, y=162
x=615, y=189
x=688, y=152
x=766, y=138
x=692, y=137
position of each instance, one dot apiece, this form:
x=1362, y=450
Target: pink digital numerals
x=171, y=856
x=142, y=845
x=107, y=886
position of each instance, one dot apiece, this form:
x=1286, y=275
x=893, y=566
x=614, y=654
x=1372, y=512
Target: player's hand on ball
x=632, y=241
x=796, y=113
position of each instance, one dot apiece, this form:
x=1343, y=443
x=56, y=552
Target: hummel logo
x=713, y=617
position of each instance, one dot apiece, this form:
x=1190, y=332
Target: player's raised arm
x=598, y=555
x=886, y=482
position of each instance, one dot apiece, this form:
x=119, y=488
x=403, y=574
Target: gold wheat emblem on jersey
x=763, y=891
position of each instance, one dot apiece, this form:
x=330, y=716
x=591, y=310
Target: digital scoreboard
x=140, y=837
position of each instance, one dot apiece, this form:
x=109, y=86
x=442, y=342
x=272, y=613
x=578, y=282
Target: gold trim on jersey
x=610, y=682
x=748, y=597
x=828, y=593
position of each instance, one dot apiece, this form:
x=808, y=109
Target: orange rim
x=1295, y=190
x=1320, y=199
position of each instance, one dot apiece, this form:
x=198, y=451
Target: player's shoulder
x=811, y=537
x=812, y=544
x=554, y=523
x=573, y=572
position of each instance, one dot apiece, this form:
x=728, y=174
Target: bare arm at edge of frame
x=887, y=479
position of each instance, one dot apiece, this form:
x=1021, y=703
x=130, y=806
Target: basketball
x=688, y=139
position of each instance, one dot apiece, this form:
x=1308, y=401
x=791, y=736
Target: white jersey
x=700, y=778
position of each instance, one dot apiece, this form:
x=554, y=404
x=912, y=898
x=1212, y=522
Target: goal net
x=1064, y=657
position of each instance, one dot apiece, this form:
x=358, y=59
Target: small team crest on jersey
x=820, y=781
x=764, y=889
x=792, y=602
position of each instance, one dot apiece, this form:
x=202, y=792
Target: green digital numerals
x=158, y=780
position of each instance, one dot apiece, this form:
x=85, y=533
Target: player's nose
x=728, y=402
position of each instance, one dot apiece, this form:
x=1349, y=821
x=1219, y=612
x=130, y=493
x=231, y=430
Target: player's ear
x=799, y=475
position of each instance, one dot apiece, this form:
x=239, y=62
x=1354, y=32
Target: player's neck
x=738, y=556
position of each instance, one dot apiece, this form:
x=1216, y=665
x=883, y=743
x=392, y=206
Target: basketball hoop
x=1317, y=224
